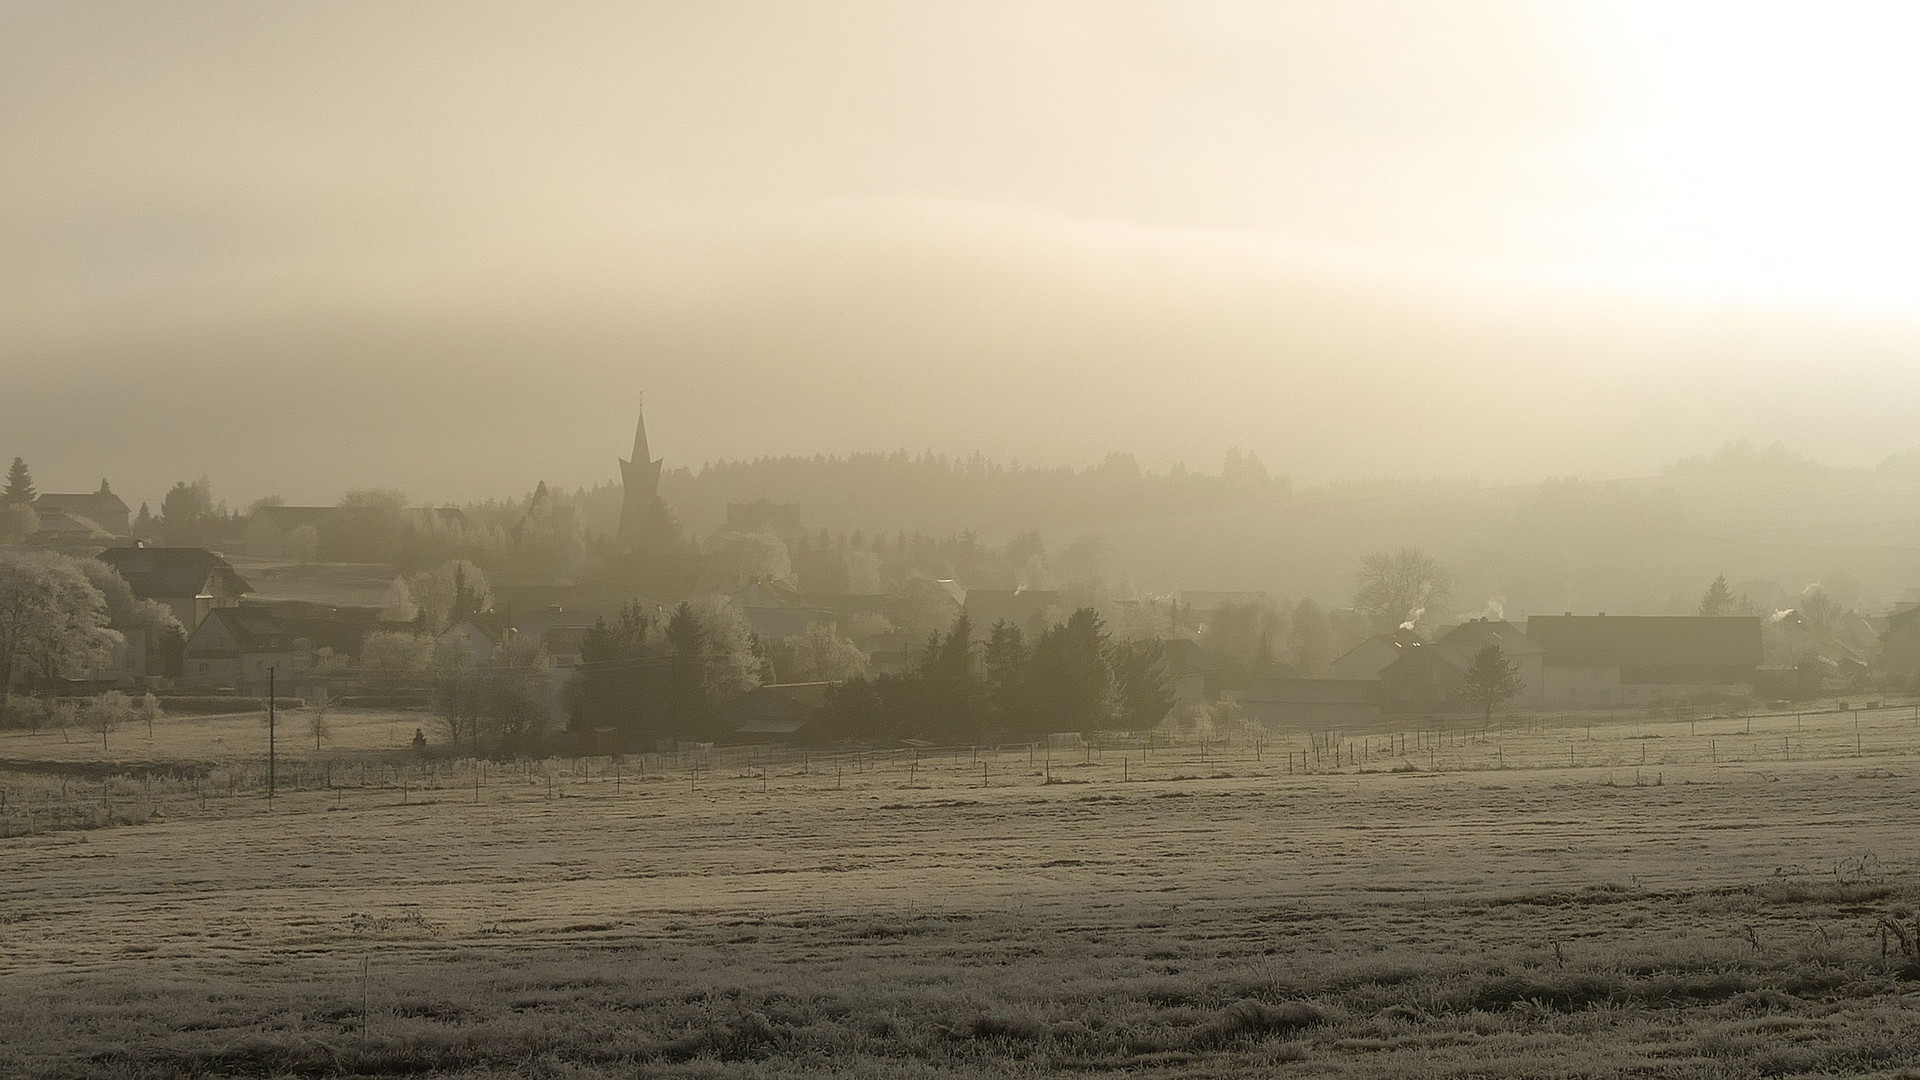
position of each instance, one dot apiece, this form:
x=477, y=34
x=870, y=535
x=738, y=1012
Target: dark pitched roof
x=1647, y=640
x=89, y=504
x=848, y=603
x=67, y=523
x=1462, y=643
x=770, y=594
x=813, y=695
x=1395, y=639
x=1417, y=654
x=1902, y=616
x=159, y=573
x=341, y=629
x=252, y=630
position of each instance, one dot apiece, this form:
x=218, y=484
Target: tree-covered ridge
x=938, y=493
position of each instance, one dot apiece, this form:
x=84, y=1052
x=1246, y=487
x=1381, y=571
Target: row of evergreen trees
x=1072, y=677
x=645, y=682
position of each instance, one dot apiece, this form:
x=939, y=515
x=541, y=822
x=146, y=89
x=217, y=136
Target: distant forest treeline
x=937, y=494
x=1769, y=519
x=1764, y=515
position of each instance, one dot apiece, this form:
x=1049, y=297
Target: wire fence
x=47, y=797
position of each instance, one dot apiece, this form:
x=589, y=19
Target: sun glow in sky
x=1617, y=232
x=1754, y=151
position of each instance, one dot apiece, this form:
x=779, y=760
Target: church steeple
x=640, y=476
x=640, y=451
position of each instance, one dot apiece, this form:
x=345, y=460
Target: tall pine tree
x=1718, y=599
x=19, y=485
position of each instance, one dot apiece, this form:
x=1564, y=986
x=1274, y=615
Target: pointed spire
x=640, y=476
x=641, y=454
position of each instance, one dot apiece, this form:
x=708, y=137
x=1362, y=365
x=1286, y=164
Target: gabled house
x=236, y=648
x=473, y=641
x=1191, y=673
x=1423, y=677
x=1900, y=647
x=1590, y=660
x=1462, y=643
x=191, y=581
x=101, y=509
x=1369, y=658
x=64, y=530
x=775, y=610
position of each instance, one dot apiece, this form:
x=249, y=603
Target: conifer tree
x=1491, y=680
x=1718, y=599
x=19, y=484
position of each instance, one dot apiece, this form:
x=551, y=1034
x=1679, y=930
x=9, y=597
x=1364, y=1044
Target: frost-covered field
x=1717, y=911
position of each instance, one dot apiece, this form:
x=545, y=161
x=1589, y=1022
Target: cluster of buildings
x=67, y=520
x=1564, y=662
x=234, y=634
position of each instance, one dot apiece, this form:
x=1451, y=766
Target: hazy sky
x=444, y=247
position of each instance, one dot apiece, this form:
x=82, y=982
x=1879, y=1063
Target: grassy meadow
x=1571, y=896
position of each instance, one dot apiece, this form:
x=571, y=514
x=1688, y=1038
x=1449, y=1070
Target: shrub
x=1256, y=1020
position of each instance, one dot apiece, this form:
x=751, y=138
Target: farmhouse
x=1422, y=677
x=102, y=510
x=191, y=581
x=70, y=532
x=774, y=610
x=1900, y=646
x=1191, y=673
x=471, y=642
x=235, y=648
x=1462, y=643
x=1604, y=659
x=1369, y=658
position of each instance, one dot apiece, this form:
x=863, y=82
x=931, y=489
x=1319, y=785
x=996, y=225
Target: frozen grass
x=1519, y=922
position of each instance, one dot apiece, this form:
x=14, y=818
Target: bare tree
x=1402, y=588
x=1818, y=611
x=820, y=654
x=317, y=708
x=107, y=712
x=450, y=592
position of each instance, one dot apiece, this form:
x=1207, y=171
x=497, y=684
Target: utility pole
x=270, y=719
